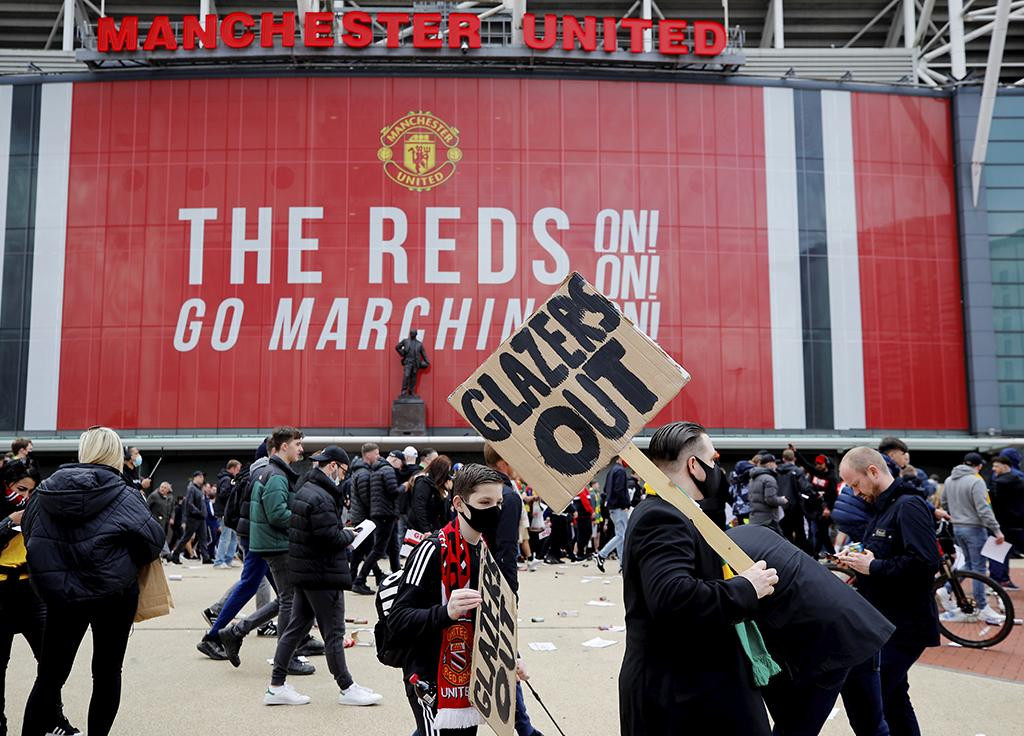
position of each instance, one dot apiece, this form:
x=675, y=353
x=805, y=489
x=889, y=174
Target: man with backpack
x=383, y=511
x=793, y=484
x=318, y=565
x=428, y=623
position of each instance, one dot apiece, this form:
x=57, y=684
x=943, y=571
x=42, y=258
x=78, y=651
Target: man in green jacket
x=270, y=515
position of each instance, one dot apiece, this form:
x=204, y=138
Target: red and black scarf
x=454, y=709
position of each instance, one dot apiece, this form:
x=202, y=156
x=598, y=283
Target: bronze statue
x=414, y=359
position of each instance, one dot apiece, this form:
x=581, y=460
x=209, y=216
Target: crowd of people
x=784, y=637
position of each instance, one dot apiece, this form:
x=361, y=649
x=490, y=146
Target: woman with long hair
x=429, y=493
x=21, y=611
x=87, y=533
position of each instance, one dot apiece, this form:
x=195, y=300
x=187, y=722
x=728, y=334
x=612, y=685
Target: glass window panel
x=1007, y=104
x=1010, y=369
x=1005, y=223
x=1003, y=176
x=1008, y=320
x=1004, y=295
x=1007, y=129
x=1006, y=152
x=1011, y=392
x=1007, y=248
x=1005, y=200
x=1006, y=272
x=1010, y=344
x=1012, y=418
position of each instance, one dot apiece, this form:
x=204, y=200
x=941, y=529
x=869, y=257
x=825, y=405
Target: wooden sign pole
x=738, y=559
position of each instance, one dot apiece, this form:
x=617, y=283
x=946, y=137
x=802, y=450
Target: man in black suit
x=819, y=629
x=684, y=665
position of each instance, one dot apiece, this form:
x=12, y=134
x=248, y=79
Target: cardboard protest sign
x=492, y=685
x=565, y=393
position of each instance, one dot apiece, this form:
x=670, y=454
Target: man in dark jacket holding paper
x=822, y=632
x=684, y=665
x=895, y=573
x=318, y=565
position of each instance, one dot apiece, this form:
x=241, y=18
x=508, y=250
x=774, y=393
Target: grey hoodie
x=765, y=501
x=965, y=497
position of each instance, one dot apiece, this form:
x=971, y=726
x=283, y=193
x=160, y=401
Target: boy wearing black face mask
x=684, y=661
x=433, y=610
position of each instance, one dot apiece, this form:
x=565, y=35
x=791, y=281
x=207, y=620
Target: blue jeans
x=620, y=518
x=226, y=547
x=899, y=711
x=523, y=725
x=1000, y=571
x=862, y=698
x=254, y=569
x=971, y=539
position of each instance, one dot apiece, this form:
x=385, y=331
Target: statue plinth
x=408, y=416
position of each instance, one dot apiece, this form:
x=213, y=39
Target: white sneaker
x=956, y=617
x=947, y=600
x=991, y=616
x=284, y=695
x=358, y=695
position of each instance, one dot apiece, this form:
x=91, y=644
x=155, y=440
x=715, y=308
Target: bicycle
x=961, y=619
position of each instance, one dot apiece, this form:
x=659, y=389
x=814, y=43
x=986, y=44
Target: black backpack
x=389, y=652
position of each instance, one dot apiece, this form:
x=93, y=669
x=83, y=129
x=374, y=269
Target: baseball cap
x=410, y=451
x=396, y=454
x=821, y=459
x=767, y=458
x=198, y=472
x=331, y=453
x=973, y=458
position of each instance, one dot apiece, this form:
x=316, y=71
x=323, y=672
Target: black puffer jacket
x=225, y=487
x=87, y=534
x=383, y=491
x=359, y=501
x=237, y=510
x=317, y=542
x=426, y=512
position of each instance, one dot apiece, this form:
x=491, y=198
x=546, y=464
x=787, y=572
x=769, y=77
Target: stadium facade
x=220, y=218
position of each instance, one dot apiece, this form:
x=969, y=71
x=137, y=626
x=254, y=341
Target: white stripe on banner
x=6, y=110
x=843, y=261
x=784, y=260
x=48, y=271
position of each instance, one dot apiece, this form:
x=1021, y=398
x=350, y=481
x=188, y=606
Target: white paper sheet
x=997, y=552
x=542, y=646
x=600, y=603
x=598, y=643
x=362, y=532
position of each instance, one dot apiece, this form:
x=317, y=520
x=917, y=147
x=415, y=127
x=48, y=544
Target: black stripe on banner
x=814, y=287
x=19, y=244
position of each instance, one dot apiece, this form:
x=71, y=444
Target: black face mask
x=484, y=521
x=712, y=483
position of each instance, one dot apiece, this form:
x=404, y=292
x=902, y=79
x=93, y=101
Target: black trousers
x=327, y=608
x=425, y=714
x=195, y=527
x=584, y=530
x=21, y=612
x=383, y=537
x=559, y=542
x=111, y=622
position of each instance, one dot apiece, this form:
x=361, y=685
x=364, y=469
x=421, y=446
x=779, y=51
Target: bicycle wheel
x=968, y=621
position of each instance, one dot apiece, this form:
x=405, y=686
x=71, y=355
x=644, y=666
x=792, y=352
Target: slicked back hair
x=473, y=475
x=673, y=440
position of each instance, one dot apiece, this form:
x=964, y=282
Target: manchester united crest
x=458, y=651
x=419, y=151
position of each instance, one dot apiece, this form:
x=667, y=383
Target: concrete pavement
x=170, y=689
